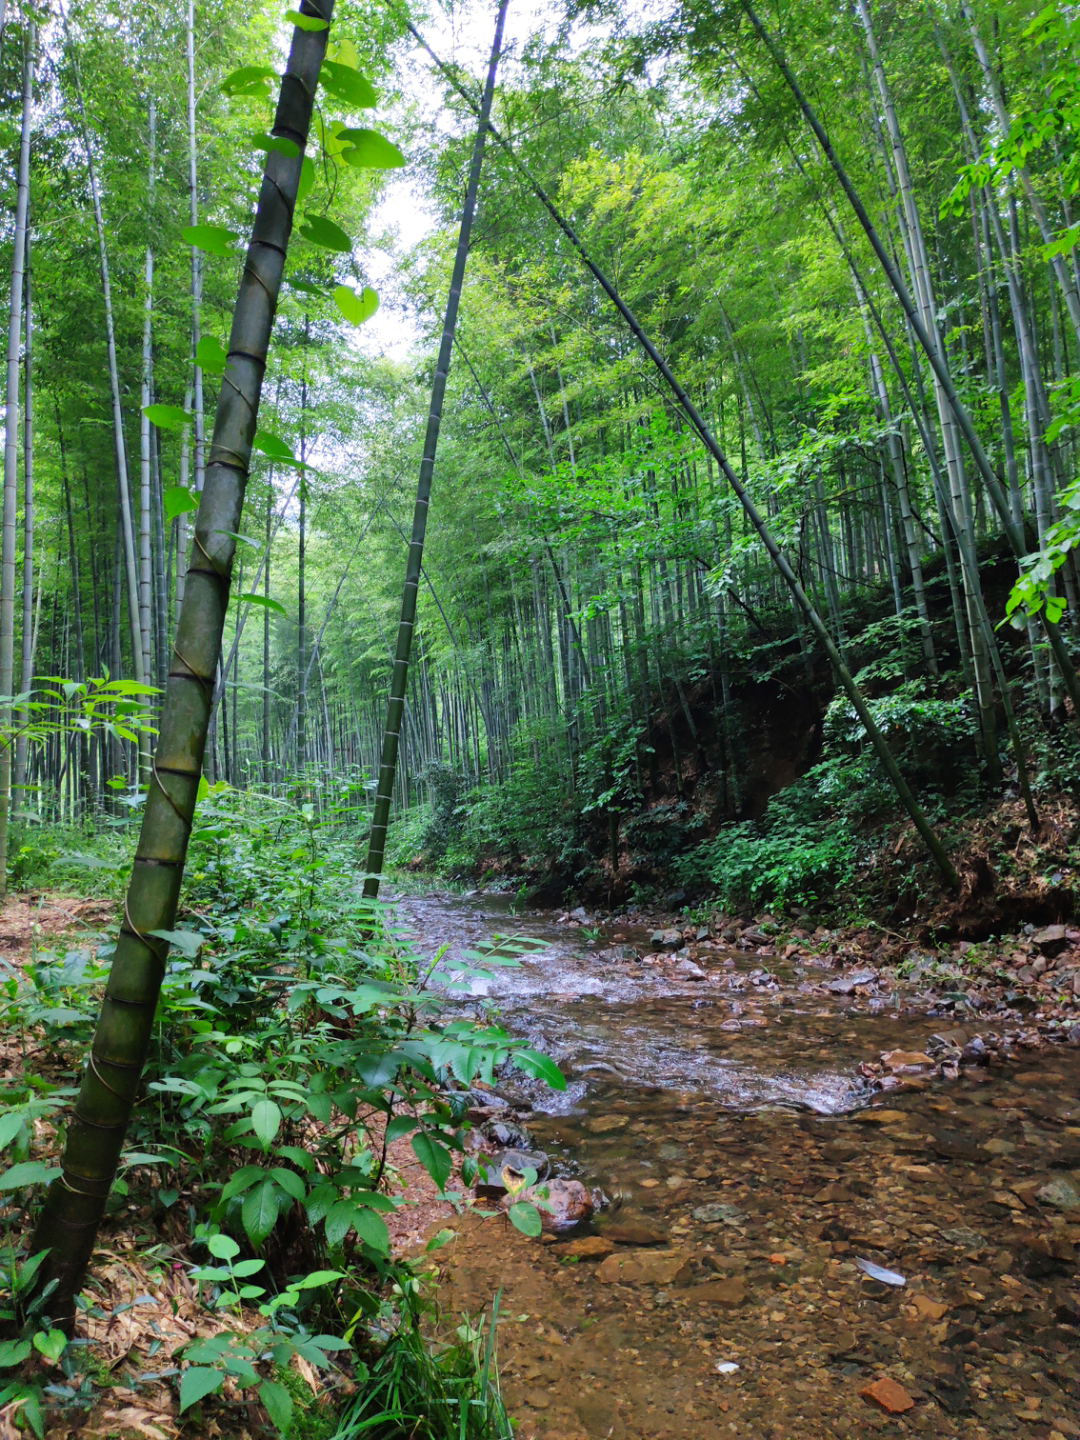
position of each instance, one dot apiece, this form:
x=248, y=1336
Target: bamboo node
x=175, y=808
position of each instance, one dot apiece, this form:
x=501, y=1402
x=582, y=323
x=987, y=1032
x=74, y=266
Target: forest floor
x=760, y=1107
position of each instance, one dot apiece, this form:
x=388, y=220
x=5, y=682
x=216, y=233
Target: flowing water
x=750, y=1169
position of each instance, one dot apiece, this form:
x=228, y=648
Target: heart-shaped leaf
x=167, y=417
x=210, y=355
x=306, y=22
x=214, y=239
x=272, y=447
x=276, y=144
x=321, y=231
x=525, y=1217
x=248, y=80
x=356, y=308
x=346, y=83
x=177, y=501
x=51, y=1344
x=370, y=151
x=188, y=942
x=306, y=183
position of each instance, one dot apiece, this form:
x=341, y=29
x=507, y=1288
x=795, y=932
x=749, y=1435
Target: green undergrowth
x=298, y=1036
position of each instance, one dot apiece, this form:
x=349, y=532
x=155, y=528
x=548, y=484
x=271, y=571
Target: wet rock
x=880, y=1117
x=729, y=1294
x=580, y=914
x=562, y=1203
x=900, y=1060
x=589, y=1247
x=671, y=940
x=833, y=1194
x=888, y=1395
x=605, y=1124
x=686, y=969
x=642, y=1267
x=847, y=984
x=716, y=1213
x=975, y=1052
x=951, y=1146
x=1060, y=1193
x=635, y=1232
x=965, y=1237
x=513, y=1163
x=506, y=1135
x=627, y=952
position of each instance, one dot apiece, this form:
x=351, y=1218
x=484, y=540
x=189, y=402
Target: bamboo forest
x=540, y=720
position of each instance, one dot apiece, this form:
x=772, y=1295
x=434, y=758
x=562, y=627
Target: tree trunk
x=399, y=675
x=95, y=1134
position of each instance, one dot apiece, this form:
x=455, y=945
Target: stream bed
x=750, y=1169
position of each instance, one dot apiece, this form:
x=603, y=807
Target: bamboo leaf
x=369, y=150
x=306, y=22
x=321, y=231
x=264, y=602
x=178, y=501
x=214, y=239
x=346, y=83
x=167, y=417
x=196, y=1383
x=356, y=308
x=260, y=1212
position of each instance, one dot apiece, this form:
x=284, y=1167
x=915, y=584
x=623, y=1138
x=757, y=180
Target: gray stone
x=716, y=1213
x=1061, y=1193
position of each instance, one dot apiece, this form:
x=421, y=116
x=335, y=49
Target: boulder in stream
x=562, y=1204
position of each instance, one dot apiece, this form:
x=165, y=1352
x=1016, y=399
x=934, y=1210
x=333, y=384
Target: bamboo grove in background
x=891, y=381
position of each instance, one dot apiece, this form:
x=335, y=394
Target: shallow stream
x=750, y=1169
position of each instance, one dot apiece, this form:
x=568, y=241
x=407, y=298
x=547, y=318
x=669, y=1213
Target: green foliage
x=298, y=1036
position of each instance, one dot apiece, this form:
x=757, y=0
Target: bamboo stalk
x=76, y=1200
x=396, y=706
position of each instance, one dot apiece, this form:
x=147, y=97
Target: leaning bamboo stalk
x=395, y=709
x=76, y=1200
x=995, y=489
x=780, y=561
